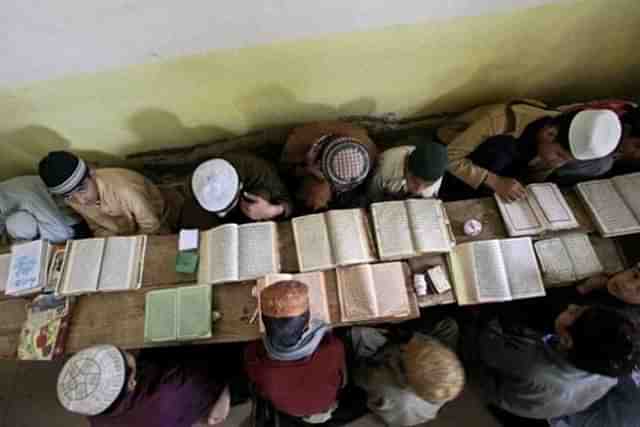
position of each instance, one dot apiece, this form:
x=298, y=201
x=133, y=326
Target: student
x=113, y=201
x=539, y=376
x=235, y=188
x=414, y=168
x=299, y=366
x=624, y=285
x=492, y=148
x=159, y=388
x=333, y=159
x=28, y=212
x=407, y=384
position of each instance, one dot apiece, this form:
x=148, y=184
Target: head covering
x=62, y=171
x=21, y=225
x=428, y=161
x=594, y=134
x=216, y=186
x=345, y=163
x=286, y=298
x=92, y=380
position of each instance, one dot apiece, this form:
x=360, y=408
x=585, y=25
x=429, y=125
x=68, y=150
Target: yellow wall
x=561, y=52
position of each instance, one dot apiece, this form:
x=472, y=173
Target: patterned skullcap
x=345, y=163
x=62, y=171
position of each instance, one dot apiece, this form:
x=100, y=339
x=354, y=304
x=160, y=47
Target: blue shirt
x=29, y=193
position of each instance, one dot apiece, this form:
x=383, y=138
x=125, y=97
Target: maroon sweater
x=302, y=387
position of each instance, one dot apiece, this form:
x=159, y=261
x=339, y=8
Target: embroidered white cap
x=594, y=134
x=92, y=380
x=215, y=185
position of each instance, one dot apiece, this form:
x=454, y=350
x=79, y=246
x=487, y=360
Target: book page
x=492, y=282
x=428, y=228
x=318, y=302
x=391, y=225
x=118, y=264
x=629, y=188
x=348, y=236
x=160, y=317
x=220, y=256
x=583, y=256
x=5, y=263
x=391, y=289
x=25, y=267
x=194, y=312
x=356, y=293
x=463, y=276
x=82, y=270
x=520, y=263
x=555, y=261
x=553, y=206
x=519, y=216
x=258, y=246
x=611, y=213
x=312, y=242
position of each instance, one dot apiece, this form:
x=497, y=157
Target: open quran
x=567, y=258
x=544, y=209
x=614, y=204
x=102, y=265
x=234, y=252
x=495, y=270
x=333, y=238
x=178, y=314
x=411, y=227
x=28, y=267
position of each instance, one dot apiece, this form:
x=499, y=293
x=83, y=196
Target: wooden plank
x=13, y=314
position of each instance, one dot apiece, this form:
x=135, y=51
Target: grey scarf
x=306, y=345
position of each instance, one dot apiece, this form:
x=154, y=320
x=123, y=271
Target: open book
x=28, y=267
x=544, y=209
x=614, y=204
x=233, y=252
x=495, y=270
x=178, y=314
x=567, y=258
x=411, y=227
x=333, y=238
x=372, y=291
x=102, y=264
x=316, y=284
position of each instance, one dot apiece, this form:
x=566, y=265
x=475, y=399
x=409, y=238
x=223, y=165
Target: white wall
x=42, y=40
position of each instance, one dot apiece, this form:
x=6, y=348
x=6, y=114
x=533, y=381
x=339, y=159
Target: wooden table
x=118, y=318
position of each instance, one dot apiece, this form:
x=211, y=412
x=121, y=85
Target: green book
x=178, y=314
x=186, y=262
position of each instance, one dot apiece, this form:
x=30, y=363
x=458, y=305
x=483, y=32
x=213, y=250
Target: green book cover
x=160, y=316
x=186, y=262
x=194, y=306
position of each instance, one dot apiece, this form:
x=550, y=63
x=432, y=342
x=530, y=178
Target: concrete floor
x=28, y=399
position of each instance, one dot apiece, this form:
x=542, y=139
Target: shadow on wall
x=157, y=129
x=272, y=104
x=26, y=146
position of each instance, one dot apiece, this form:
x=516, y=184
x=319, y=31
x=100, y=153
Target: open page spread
x=555, y=261
x=492, y=282
x=391, y=289
x=583, y=256
x=312, y=242
x=219, y=255
x=393, y=233
x=258, y=250
x=119, y=263
x=356, y=291
x=519, y=217
x=524, y=278
x=82, y=268
x=610, y=212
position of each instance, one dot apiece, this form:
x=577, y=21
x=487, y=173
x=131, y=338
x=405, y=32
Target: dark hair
x=563, y=122
x=632, y=119
x=285, y=331
x=605, y=341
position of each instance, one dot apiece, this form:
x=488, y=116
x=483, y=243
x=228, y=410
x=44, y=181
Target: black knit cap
x=61, y=171
x=428, y=161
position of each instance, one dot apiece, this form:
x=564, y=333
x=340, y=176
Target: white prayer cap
x=594, y=134
x=21, y=225
x=215, y=184
x=92, y=380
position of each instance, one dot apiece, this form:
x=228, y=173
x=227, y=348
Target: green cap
x=428, y=161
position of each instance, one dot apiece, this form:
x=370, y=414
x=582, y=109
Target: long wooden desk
x=118, y=318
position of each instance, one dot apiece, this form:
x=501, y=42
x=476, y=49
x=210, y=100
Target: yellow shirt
x=465, y=133
x=128, y=204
